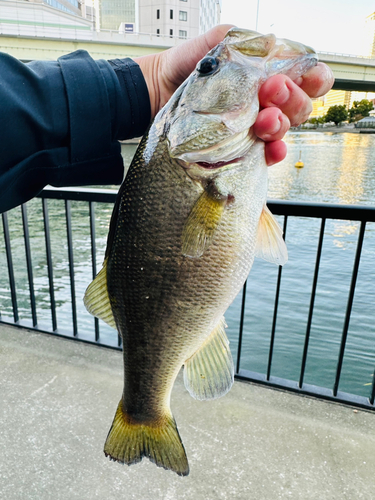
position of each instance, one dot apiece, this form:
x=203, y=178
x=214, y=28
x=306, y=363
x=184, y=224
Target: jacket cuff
x=134, y=112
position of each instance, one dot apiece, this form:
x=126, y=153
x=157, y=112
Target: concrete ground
x=58, y=399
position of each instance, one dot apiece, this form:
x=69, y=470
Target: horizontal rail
x=305, y=389
x=322, y=211
x=279, y=207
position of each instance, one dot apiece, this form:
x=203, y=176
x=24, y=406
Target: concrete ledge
x=58, y=399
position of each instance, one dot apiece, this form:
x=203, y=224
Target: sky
x=326, y=25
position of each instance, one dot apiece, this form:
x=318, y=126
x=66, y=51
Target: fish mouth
x=219, y=164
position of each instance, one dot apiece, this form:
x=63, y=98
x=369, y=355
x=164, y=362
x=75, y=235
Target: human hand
x=283, y=103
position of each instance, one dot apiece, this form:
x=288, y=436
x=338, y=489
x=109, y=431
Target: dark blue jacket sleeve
x=60, y=122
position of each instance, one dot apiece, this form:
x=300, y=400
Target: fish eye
x=208, y=65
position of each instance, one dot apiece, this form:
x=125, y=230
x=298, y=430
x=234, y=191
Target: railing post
x=47, y=237
x=93, y=256
x=12, y=283
x=349, y=307
x=277, y=295
x=68, y=215
x=240, y=333
x=29, y=265
x=312, y=301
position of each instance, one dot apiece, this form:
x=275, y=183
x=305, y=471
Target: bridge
x=351, y=72
x=36, y=31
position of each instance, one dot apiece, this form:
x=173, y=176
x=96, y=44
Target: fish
x=189, y=219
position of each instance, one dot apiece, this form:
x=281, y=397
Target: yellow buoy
x=299, y=163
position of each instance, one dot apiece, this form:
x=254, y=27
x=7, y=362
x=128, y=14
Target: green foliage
x=317, y=120
x=360, y=109
x=336, y=114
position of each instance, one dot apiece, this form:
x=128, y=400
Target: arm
x=60, y=122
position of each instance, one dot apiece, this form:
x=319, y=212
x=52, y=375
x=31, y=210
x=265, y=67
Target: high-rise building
x=175, y=18
x=114, y=12
x=369, y=36
x=180, y=18
x=209, y=14
x=69, y=6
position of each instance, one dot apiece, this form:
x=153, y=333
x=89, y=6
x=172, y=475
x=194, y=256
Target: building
x=114, y=12
x=338, y=97
x=369, y=36
x=175, y=18
x=181, y=18
x=44, y=19
x=70, y=6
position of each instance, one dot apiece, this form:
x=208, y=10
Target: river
x=339, y=168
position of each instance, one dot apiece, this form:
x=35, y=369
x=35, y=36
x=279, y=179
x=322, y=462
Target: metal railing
x=287, y=210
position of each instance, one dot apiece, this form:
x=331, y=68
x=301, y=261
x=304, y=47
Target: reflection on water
x=339, y=168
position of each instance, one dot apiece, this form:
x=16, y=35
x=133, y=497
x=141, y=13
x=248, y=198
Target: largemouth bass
x=189, y=218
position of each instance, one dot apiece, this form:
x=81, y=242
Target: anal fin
x=209, y=373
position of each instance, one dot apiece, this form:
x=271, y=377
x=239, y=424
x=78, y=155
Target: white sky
x=325, y=25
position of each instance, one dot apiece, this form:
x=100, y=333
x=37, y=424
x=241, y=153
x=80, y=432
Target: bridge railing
x=49, y=233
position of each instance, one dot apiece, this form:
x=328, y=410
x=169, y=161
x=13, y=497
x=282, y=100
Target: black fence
x=308, y=211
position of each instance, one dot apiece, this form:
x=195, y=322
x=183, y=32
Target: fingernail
x=277, y=125
x=282, y=96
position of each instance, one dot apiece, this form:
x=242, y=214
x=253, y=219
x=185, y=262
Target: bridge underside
x=359, y=86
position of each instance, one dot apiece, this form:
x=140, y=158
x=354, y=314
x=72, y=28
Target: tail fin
x=128, y=442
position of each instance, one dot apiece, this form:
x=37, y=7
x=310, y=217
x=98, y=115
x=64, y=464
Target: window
x=171, y=14
x=158, y=14
x=182, y=34
x=158, y=32
x=183, y=15
x=171, y=33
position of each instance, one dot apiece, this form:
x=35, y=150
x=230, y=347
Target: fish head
x=208, y=121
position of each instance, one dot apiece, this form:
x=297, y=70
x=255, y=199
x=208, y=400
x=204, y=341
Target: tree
x=360, y=109
x=336, y=114
x=316, y=120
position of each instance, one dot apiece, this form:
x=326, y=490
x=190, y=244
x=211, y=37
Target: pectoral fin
x=201, y=224
x=209, y=373
x=96, y=298
x=270, y=244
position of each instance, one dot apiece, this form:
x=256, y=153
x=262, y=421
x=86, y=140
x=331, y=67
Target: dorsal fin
x=270, y=244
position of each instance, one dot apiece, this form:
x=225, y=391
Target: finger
x=280, y=91
x=275, y=152
x=271, y=124
x=317, y=81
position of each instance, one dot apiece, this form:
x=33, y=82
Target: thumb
x=184, y=57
